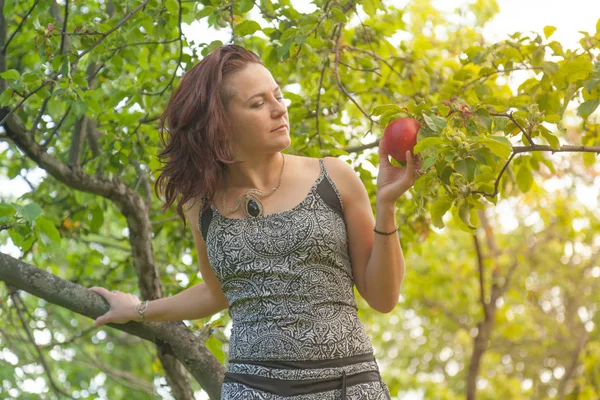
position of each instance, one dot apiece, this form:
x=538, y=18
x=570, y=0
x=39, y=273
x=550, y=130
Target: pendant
x=253, y=207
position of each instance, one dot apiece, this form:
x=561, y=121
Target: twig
x=497, y=179
x=117, y=26
x=63, y=37
x=178, y=61
x=319, y=102
x=510, y=116
x=39, y=116
x=231, y=9
x=379, y=58
x=337, y=74
x=20, y=26
x=466, y=85
x=374, y=70
x=21, y=103
x=55, y=131
x=16, y=299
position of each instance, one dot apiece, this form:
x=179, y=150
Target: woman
x=281, y=239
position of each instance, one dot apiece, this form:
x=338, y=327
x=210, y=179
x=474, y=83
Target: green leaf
x=247, y=27
x=338, y=15
x=588, y=107
x=246, y=5
x=435, y=123
x=524, y=178
x=484, y=119
x=427, y=142
x=428, y=162
x=15, y=237
x=439, y=209
x=464, y=212
x=79, y=108
x=97, y=219
x=499, y=145
x=471, y=167
x=5, y=97
x=10, y=75
x=461, y=167
x=6, y=210
x=384, y=108
x=46, y=231
x=549, y=30
x=552, y=140
x=31, y=211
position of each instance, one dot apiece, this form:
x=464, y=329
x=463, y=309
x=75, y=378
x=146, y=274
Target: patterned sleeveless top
x=288, y=279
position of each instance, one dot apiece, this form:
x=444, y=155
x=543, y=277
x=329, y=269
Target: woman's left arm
x=377, y=260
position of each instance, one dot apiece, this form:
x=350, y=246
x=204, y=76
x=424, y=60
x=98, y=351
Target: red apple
x=400, y=136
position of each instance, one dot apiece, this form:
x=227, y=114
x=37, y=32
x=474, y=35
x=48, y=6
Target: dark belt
x=287, y=387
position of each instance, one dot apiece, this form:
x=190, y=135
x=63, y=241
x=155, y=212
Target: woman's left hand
x=393, y=181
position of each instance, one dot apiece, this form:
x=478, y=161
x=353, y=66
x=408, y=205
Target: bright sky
x=515, y=15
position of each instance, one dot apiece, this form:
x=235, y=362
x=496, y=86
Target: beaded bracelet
x=386, y=233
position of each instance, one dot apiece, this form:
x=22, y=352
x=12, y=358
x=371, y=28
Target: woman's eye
x=257, y=105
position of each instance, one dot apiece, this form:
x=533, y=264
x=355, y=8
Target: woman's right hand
x=122, y=307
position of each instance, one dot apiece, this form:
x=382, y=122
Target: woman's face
x=255, y=110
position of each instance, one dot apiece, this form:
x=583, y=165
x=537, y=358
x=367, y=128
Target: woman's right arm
x=199, y=301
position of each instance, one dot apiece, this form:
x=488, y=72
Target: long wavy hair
x=193, y=130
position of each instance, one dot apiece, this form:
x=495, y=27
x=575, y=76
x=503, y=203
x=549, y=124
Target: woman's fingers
x=410, y=167
x=101, y=291
x=383, y=155
x=103, y=319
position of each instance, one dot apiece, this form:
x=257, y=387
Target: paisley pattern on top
x=288, y=281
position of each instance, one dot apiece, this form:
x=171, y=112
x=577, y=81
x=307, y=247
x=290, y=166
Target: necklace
x=253, y=206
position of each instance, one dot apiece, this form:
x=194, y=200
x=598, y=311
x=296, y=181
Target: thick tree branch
x=173, y=337
x=132, y=207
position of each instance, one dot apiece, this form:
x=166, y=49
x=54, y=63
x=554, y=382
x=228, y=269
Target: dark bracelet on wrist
x=387, y=233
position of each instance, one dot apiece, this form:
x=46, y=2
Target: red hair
x=193, y=129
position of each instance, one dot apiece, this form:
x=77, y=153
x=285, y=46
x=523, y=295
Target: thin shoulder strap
x=204, y=218
x=328, y=191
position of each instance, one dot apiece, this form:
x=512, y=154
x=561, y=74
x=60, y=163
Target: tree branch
x=336, y=73
x=510, y=116
x=481, y=270
x=105, y=35
x=180, y=55
x=172, y=337
x=64, y=29
x=5, y=47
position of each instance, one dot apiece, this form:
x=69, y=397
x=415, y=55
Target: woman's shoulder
x=191, y=209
